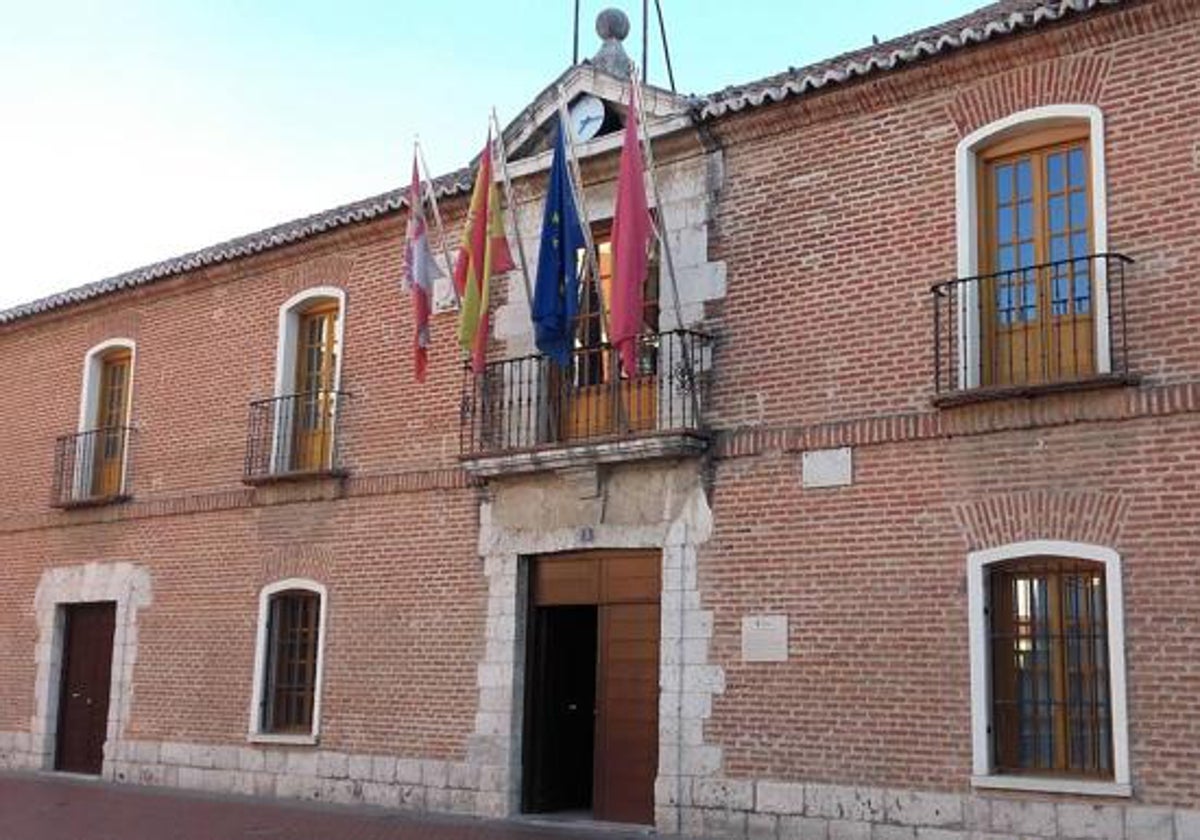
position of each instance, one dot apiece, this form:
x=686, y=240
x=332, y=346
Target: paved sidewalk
x=46, y=807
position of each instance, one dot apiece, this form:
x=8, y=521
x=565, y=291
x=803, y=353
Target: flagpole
x=576, y=180
x=437, y=217
x=512, y=210
x=660, y=224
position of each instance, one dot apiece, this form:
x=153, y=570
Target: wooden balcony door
x=313, y=406
x=112, y=416
x=591, y=719
x=1036, y=211
x=84, y=687
x=603, y=399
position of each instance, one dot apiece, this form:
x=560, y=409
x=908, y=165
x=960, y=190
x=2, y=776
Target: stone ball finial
x=612, y=25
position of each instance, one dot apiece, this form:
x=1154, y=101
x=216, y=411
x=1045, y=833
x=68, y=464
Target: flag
x=420, y=271
x=631, y=233
x=482, y=253
x=556, y=291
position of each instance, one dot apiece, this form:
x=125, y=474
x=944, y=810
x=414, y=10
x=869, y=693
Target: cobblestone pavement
x=45, y=807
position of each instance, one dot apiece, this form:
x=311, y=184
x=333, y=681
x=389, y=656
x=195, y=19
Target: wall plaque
x=765, y=638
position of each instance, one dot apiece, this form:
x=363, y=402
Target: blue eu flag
x=556, y=293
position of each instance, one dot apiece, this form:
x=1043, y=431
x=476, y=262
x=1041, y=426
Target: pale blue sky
x=134, y=131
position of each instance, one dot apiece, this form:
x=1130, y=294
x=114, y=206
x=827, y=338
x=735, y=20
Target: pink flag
x=631, y=233
x=420, y=271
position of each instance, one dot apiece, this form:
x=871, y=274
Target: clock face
x=586, y=116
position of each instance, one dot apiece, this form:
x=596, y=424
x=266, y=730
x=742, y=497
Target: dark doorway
x=591, y=687
x=83, y=691
x=559, y=747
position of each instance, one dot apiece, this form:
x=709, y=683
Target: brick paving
x=44, y=807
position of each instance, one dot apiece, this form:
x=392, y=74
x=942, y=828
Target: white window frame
x=967, y=222
x=256, y=732
x=89, y=406
x=983, y=773
x=285, y=363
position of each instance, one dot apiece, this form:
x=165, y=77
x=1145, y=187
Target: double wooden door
x=1039, y=286
x=315, y=400
x=109, y=435
x=592, y=685
x=603, y=399
x=84, y=687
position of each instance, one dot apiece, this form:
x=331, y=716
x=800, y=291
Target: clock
x=586, y=117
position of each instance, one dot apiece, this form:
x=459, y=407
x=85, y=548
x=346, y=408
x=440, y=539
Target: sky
x=135, y=131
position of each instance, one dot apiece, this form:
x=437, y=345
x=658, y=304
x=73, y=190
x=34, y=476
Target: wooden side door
x=1038, y=288
x=112, y=414
x=84, y=688
x=314, y=402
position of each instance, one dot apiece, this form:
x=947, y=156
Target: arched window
x=307, y=381
x=289, y=662
x=1048, y=668
x=1033, y=249
x=100, y=448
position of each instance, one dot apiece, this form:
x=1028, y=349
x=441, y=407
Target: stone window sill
x=970, y=396
x=294, y=740
x=93, y=501
x=295, y=477
x=1051, y=784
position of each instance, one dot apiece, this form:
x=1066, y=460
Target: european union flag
x=556, y=293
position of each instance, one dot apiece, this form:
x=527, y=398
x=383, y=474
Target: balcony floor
x=586, y=453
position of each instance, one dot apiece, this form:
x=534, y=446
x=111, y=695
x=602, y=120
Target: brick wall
x=873, y=578
x=837, y=215
x=394, y=544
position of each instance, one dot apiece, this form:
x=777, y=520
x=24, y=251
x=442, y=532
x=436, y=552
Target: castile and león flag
x=420, y=272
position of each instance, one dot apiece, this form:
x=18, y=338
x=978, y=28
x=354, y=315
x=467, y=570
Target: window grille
x=291, y=667
x=1051, y=695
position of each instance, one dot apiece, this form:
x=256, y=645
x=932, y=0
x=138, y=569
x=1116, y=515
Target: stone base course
x=295, y=773
x=768, y=810
x=712, y=807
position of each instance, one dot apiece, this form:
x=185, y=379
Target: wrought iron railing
x=295, y=435
x=532, y=403
x=1051, y=324
x=92, y=467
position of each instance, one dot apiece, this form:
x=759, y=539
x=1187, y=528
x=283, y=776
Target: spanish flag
x=482, y=254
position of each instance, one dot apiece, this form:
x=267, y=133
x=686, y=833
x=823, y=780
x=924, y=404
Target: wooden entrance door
x=624, y=588
x=85, y=685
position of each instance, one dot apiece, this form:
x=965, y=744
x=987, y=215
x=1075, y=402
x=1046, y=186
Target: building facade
x=892, y=532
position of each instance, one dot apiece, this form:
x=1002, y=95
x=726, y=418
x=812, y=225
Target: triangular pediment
x=528, y=138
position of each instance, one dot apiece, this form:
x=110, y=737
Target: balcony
x=1050, y=327
x=92, y=468
x=528, y=414
x=294, y=437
